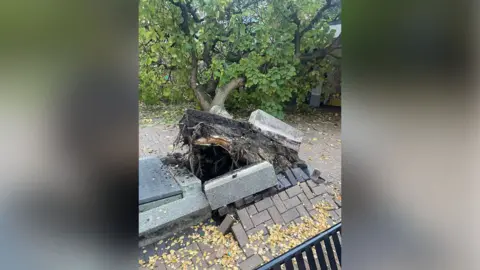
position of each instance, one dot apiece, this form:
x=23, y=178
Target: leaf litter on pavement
x=228, y=254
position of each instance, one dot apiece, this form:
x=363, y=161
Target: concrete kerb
x=276, y=129
x=239, y=184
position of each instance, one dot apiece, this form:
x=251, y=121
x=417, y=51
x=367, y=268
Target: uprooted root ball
x=217, y=145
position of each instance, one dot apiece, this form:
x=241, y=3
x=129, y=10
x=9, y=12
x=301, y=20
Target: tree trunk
x=202, y=97
x=201, y=93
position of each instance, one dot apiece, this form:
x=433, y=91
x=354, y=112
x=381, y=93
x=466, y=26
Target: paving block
x=292, y=202
x=299, y=174
x=257, y=197
x=283, y=180
x=277, y=201
x=329, y=200
x=305, y=202
x=338, y=202
x=334, y=215
x=251, y=210
x=248, y=199
x=294, y=191
x=311, y=184
x=283, y=195
x=276, y=217
x=268, y=223
x=245, y=218
x=302, y=211
x=222, y=211
x=262, y=227
x=264, y=204
x=339, y=213
x=316, y=177
x=307, y=169
x=249, y=252
x=240, y=234
x=225, y=189
x=207, y=249
x=330, y=222
x=306, y=189
x=330, y=190
x=251, y=263
x=226, y=224
x=260, y=217
x=291, y=178
x=298, y=221
x=317, y=200
x=161, y=222
x=257, y=229
x=290, y=215
x=239, y=203
x=320, y=189
x=280, y=186
x=313, y=213
x=276, y=129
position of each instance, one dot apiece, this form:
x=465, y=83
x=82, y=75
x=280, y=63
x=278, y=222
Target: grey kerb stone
x=162, y=221
x=156, y=184
x=239, y=184
x=276, y=129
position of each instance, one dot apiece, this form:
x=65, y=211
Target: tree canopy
x=257, y=52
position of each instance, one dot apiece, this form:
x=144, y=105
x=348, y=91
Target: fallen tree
x=217, y=145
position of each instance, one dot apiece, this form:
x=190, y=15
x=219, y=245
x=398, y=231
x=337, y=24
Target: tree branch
x=225, y=90
x=161, y=63
x=296, y=39
x=193, y=12
x=319, y=54
x=317, y=17
x=184, y=10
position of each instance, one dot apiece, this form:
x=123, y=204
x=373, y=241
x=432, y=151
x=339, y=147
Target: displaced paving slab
x=155, y=181
x=276, y=129
x=239, y=184
x=156, y=184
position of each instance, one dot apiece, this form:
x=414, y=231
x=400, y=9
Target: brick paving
x=260, y=218
x=278, y=209
x=290, y=206
x=264, y=204
x=292, y=202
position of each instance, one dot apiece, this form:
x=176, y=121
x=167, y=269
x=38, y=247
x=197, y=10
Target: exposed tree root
x=217, y=145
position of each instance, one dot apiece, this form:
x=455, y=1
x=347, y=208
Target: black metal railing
x=326, y=245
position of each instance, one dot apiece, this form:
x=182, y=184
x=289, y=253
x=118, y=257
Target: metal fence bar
x=300, y=261
x=311, y=260
x=320, y=256
x=296, y=252
x=338, y=248
x=331, y=256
